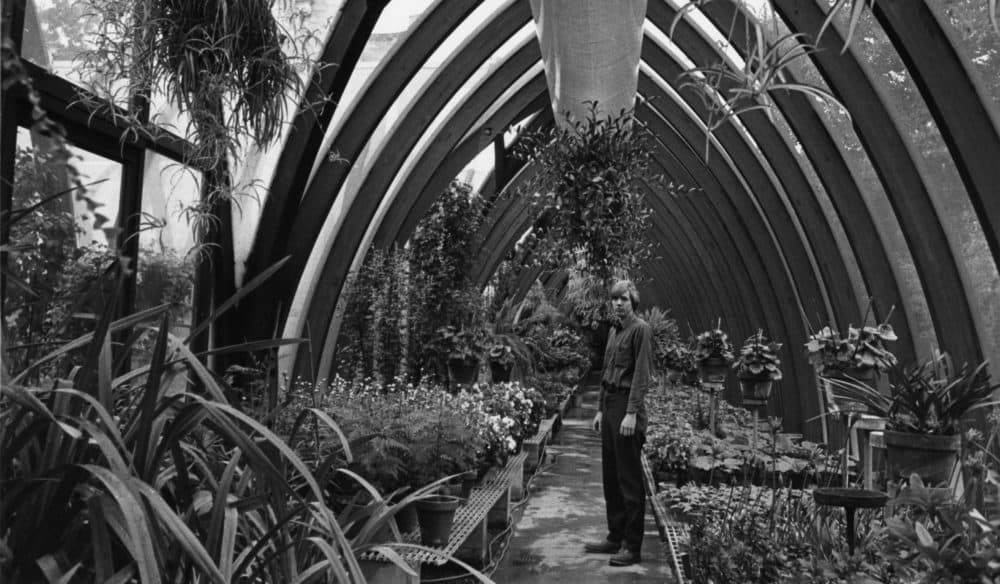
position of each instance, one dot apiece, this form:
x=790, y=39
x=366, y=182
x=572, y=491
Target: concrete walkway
x=566, y=509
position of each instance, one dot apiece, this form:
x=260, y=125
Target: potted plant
x=924, y=410
x=504, y=352
x=758, y=367
x=713, y=352
x=674, y=361
x=443, y=447
x=461, y=348
x=860, y=354
x=665, y=334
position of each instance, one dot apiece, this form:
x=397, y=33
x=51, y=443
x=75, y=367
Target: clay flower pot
x=435, y=515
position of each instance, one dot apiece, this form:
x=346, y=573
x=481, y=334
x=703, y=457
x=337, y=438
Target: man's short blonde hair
x=626, y=288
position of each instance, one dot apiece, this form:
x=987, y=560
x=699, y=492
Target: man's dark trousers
x=624, y=493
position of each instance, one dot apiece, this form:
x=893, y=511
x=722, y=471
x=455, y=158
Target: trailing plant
x=231, y=67
x=758, y=358
x=588, y=194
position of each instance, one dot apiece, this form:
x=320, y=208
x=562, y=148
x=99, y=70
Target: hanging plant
x=727, y=92
x=230, y=66
x=588, y=193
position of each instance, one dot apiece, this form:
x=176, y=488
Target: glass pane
x=165, y=270
x=60, y=248
x=967, y=23
x=166, y=240
x=55, y=33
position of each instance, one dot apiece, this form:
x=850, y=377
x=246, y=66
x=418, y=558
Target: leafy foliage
x=588, y=193
x=231, y=67
x=136, y=477
x=863, y=348
x=586, y=298
x=408, y=310
x=443, y=250
x=665, y=335
x=728, y=93
x=383, y=303
x=925, y=398
x=940, y=539
x=758, y=358
x=713, y=344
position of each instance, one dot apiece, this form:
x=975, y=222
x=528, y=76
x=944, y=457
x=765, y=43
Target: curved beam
x=354, y=223
x=769, y=281
x=822, y=253
x=347, y=39
x=954, y=99
x=877, y=128
x=302, y=222
x=833, y=171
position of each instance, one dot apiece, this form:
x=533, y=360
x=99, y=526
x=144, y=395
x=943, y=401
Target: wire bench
x=488, y=504
x=673, y=533
x=534, y=447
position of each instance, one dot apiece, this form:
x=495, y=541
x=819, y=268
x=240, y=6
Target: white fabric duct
x=591, y=51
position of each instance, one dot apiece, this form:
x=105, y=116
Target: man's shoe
x=602, y=547
x=625, y=557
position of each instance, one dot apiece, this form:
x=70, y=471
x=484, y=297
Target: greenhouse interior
x=402, y=291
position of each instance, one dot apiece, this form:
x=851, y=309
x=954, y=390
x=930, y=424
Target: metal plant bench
x=488, y=505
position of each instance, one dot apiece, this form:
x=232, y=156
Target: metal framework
x=756, y=244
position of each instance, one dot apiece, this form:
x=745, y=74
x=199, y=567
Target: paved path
x=566, y=509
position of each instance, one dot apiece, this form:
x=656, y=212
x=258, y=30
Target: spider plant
x=727, y=93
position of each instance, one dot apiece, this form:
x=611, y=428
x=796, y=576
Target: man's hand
x=597, y=422
x=628, y=425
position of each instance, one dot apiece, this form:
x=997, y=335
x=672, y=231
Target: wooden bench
x=488, y=505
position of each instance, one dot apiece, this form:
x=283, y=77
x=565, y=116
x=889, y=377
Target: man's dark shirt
x=627, y=361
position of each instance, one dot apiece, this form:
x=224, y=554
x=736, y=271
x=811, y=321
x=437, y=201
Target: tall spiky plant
x=133, y=476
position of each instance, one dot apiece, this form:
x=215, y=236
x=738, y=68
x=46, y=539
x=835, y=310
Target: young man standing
x=621, y=421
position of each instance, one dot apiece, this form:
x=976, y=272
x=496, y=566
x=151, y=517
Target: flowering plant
x=863, y=348
x=758, y=359
x=713, y=344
